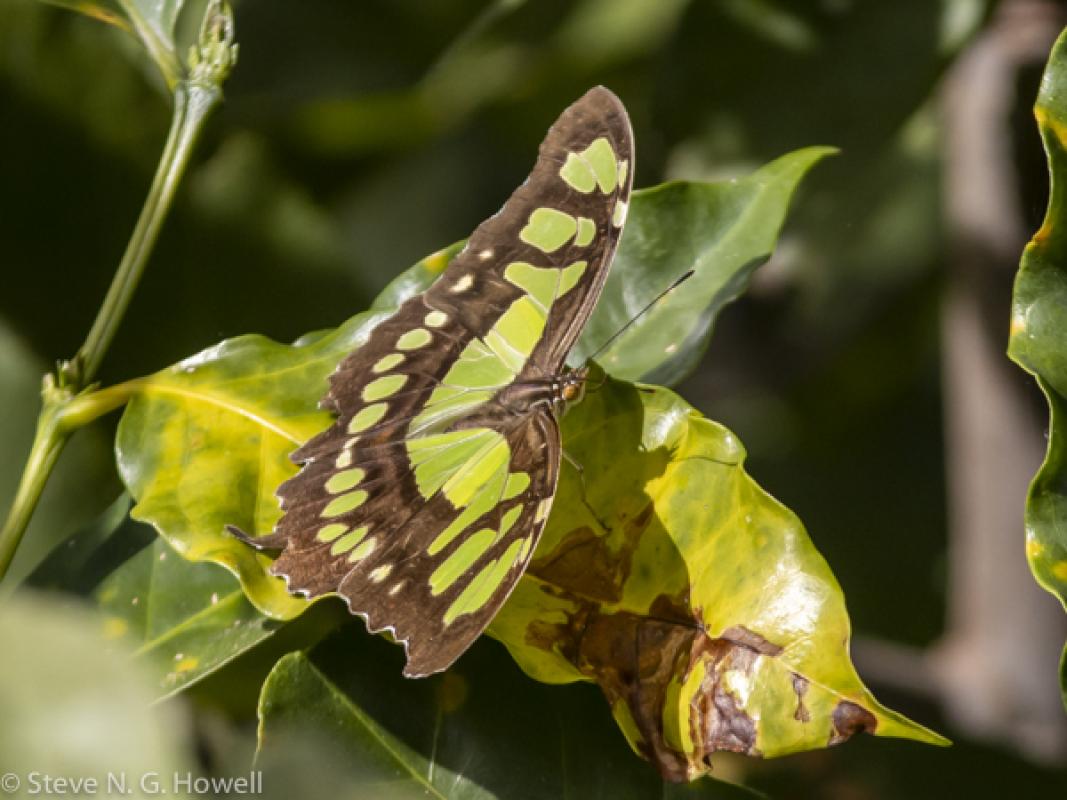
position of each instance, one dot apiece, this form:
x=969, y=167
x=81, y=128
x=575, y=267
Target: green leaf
x=1039, y=318
x=693, y=598
x=184, y=621
x=79, y=564
x=723, y=231
x=73, y=708
x=345, y=713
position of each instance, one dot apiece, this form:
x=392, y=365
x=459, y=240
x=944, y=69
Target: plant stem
x=48, y=443
x=61, y=415
x=192, y=104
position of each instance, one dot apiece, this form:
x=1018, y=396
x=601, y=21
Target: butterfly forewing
x=422, y=504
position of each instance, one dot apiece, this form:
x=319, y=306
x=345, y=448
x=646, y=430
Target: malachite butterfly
x=423, y=503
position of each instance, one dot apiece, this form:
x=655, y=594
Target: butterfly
x=423, y=503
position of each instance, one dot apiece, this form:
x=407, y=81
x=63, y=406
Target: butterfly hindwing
x=422, y=504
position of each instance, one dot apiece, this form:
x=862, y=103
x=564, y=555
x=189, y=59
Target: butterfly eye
x=573, y=392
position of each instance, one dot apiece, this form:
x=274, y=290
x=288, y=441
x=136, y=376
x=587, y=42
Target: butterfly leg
x=581, y=479
x=275, y=541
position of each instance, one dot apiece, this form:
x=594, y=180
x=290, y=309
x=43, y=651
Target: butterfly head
x=570, y=388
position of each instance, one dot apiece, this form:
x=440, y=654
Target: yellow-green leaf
x=694, y=599
x=205, y=443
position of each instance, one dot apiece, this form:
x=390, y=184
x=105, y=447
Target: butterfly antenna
x=677, y=282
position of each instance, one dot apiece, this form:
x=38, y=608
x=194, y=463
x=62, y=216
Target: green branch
x=192, y=104
x=60, y=416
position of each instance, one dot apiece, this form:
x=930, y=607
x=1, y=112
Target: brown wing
x=412, y=554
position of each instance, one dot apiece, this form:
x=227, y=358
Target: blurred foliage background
x=357, y=137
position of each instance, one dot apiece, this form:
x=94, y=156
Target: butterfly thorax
x=555, y=392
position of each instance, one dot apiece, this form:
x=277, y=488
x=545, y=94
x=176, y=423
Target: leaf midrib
x=209, y=398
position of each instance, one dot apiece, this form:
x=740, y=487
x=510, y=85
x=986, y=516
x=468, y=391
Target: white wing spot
x=486, y=254
x=463, y=284
x=396, y=587
x=343, y=460
x=379, y=574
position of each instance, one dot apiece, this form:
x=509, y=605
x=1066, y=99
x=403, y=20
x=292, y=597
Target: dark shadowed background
x=863, y=370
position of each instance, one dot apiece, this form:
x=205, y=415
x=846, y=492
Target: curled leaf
x=694, y=599
x=1039, y=318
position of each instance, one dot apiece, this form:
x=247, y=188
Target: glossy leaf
x=78, y=565
x=205, y=443
x=183, y=620
x=694, y=599
x=345, y=714
x=723, y=231
x=1039, y=319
